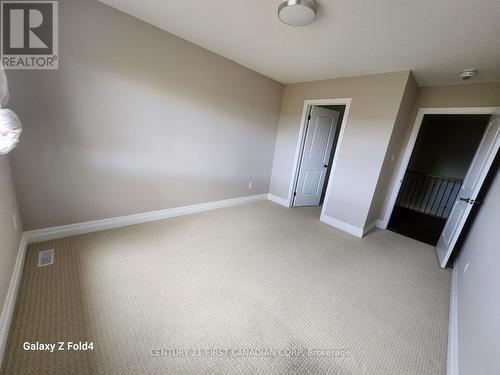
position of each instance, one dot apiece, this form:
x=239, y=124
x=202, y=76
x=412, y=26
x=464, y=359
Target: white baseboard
x=10, y=299
x=355, y=231
x=380, y=224
x=452, y=358
x=122, y=221
x=278, y=200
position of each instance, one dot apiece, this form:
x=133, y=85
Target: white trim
x=380, y=224
x=413, y=138
x=346, y=227
x=278, y=200
x=10, y=298
x=122, y=221
x=298, y=149
x=452, y=358
x=300, y=143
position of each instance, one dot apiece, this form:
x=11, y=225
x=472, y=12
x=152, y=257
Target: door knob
x=325, y=166
x=466, y=200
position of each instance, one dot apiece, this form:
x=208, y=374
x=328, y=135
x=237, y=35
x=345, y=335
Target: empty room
x=249, y=187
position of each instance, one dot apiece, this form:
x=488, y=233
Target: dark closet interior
x=443, y=151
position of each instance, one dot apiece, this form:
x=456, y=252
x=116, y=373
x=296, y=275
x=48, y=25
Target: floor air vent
x=46, y=258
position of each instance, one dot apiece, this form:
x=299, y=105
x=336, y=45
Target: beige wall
x=394, y=152
x=463, y=95
x=375, y=104
x=135, y=120
x=9, y=236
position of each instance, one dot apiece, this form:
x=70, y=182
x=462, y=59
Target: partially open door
x=466, y=198
x=320, y=135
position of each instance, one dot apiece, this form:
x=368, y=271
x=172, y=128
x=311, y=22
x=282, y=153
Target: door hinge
x=295, y=194
x=308, y=117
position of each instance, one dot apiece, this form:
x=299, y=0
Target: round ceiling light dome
x=297, y=12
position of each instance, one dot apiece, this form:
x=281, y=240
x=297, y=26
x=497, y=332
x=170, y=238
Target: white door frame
x=300, y=144
x=413, y=138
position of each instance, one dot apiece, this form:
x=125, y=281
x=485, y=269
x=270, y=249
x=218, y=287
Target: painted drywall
x=478, y=294
x=387, y=174
x=446, y=144
x=10, y=232
x=374, y=108
x=136, y=119
x=461, y=95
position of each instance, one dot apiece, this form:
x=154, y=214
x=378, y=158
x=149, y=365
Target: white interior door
x=320, y=134
x=474, y=178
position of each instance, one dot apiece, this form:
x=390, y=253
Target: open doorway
x=445, y=163
x=442, y=154
x=317, y=154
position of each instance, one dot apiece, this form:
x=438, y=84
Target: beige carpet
x=248, y=282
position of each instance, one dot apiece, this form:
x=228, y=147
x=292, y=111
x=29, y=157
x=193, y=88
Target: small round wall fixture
x=297, y=12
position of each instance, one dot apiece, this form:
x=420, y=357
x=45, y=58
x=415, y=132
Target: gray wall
x=136, y=119
x=388, y=174
x=9, y=235
x=375, y=105
x=478, y=290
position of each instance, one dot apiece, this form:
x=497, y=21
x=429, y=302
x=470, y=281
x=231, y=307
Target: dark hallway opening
x=443, y=152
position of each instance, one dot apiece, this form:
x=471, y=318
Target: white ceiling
x=434, y=38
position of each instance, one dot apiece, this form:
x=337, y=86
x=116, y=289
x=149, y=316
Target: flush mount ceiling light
x=297, y=12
